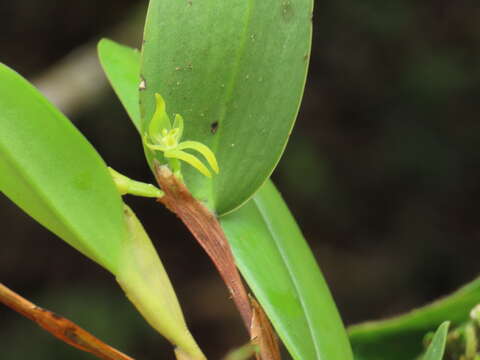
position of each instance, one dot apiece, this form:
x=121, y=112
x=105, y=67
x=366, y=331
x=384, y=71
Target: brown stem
x=60, y=327
x=203, y=224
x=262, y=334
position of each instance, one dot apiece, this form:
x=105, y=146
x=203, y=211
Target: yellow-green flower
x=164, y=137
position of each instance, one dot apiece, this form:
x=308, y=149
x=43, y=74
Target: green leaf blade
x=121, y=64
x=276, y=262
x=236, y=71
x=400, y=337
x=436, y=349
x=49, y=170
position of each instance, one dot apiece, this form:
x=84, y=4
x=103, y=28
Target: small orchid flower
x=164, y=137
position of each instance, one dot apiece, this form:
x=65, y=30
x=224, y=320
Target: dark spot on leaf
x=214, y=127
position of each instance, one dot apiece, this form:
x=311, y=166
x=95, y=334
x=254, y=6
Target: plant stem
x=60, y=327
x=204, y=225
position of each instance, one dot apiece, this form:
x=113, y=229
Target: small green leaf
x=122, y=67
x=235, y=70
x=145, y=282
x=279, y=267
x=51, y=171
x=400, y=337
x=436, y=348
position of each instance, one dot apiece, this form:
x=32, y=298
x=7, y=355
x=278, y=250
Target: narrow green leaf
x=279, y=267
x=51, y=171
x=400, y=337
x=121, y=64
x=436, y=349
x=235, y=70
x=122, y=67
x=145, y=282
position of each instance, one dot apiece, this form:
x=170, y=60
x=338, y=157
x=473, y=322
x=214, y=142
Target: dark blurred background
x=382, y=171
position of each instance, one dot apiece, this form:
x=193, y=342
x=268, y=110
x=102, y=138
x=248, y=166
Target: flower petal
x=178, y=124
x=160, y=119
x=202, y=149
x=189, y=159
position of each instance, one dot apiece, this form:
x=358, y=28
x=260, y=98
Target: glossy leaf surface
x=436, y=349
x=279, y=267
x=53, y=173
x=122, y=67
x=236, y=71
x=401, y=337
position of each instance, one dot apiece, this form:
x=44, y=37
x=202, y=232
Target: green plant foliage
x=436, y=349
x=121, y=64
x=122, y=67
x=400, y=337
x=236, y=71
x=51, y=171
x=145, y=282
x=281, y=270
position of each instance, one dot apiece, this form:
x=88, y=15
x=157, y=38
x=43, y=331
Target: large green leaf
x=236, y=71
x=280, y=269
x=51, y=171
x=400, y=337
x=436, y=349
x=122, y=67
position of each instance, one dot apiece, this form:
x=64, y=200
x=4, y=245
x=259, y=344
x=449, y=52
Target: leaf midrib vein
x=292, y=277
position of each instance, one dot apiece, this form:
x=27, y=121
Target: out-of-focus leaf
x=145, y=282
x=400, y=337
x=122, y=67
x=53, y=173
x=236, y=71
x=436, y=349
x=280, y=269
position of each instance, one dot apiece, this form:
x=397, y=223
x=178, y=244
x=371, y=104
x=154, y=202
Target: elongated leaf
x=145, y=282
x=236, y=71
x=436, y=349
x=122, y=67
x=280, y=269
x=400, y=337
x=51, y=171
